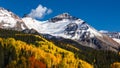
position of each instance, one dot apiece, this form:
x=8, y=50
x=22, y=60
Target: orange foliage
x=115, y=65
x=35, y=63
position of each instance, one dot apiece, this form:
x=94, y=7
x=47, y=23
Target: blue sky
x=101, y=14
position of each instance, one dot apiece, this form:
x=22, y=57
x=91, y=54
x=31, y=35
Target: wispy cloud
x=103, y=31
x=39, y=12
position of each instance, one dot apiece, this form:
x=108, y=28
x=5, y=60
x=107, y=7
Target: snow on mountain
x=63, y=25
x=9, y=20
x=31, y=23
x=114, y=35
x=69, y=27
x=117, y=40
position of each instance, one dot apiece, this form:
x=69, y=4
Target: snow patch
x=117, y=40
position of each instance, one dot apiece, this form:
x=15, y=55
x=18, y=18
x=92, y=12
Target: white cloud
x=49, y=11
x=39, y=12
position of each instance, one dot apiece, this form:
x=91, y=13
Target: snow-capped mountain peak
x=69, y=26
x=63, y=25
x=7, y=13
x=9, y=20
x=62, y=16
x=78, y=30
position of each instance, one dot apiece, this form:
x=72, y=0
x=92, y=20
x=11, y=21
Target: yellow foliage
x=115, y=65
x=47, y=52
x=84, y=64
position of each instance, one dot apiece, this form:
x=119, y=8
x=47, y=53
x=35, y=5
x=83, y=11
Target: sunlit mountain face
x=63, y=41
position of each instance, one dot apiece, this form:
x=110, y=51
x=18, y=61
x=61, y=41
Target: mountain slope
x=33, y=51
x=9, y=20
x=69, y=27
x=114, y=35
x=63, y=25
x=117, y=40
x=68, y=42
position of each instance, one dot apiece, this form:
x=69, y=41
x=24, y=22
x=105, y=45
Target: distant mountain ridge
x=63, y=25
x=114, y=35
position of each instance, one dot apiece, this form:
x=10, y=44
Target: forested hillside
x=98, y=58
x=21, y=50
